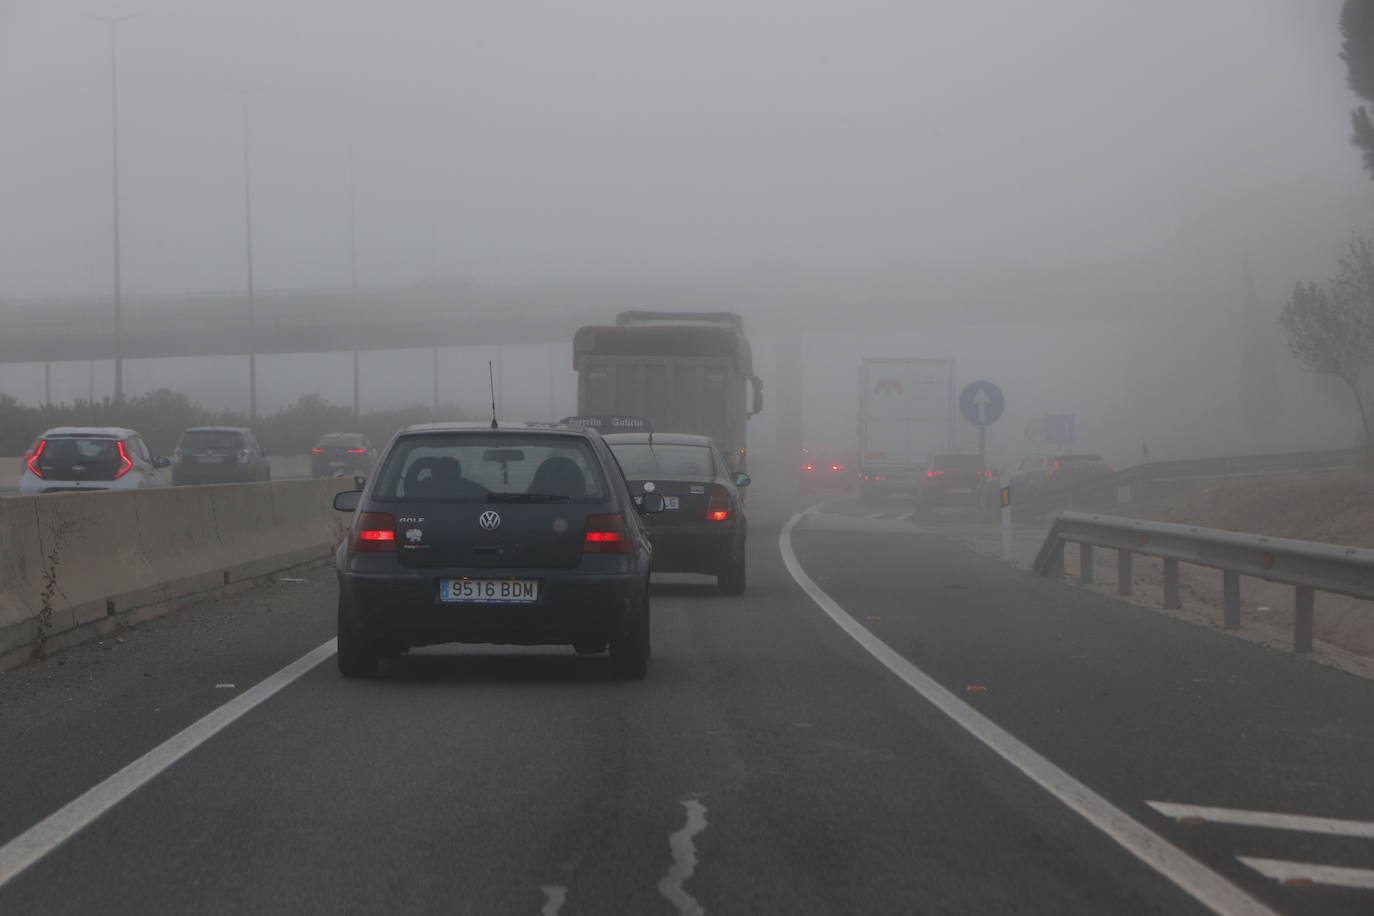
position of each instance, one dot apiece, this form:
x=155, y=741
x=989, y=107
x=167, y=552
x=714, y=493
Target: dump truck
x=684, y=372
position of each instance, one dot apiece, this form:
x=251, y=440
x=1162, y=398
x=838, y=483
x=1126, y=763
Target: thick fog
x=1099, y=204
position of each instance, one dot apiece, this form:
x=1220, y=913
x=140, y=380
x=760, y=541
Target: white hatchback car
x=74, y=458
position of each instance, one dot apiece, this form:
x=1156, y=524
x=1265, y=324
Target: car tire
x=357, y=657
x=732, y=579
x=629, y=651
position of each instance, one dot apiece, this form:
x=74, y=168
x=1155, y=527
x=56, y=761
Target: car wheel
x=630, y=650
x=357, y=656
x=731, y=580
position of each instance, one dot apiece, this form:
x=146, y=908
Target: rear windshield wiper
x=526, y=497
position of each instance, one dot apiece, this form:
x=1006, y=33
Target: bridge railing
x=1308, y=566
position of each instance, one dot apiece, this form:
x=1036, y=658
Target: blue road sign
x=1059, y=429
x=981, y=403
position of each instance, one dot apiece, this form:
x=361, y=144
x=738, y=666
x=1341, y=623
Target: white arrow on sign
x=981, y=400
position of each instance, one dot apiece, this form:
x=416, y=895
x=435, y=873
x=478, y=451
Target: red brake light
x=606, y=534
x=807, y=467
x=718, y=508
x=1053, y=469
x=33, y=459
x=356, y=451
x=124, y=457
x=837, y=467
x=318, y=451
x=934, y=473
x=987, y=473
x=375, y=533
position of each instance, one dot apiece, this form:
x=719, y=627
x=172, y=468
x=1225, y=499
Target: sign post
x=1008, y=550
x=981, y=403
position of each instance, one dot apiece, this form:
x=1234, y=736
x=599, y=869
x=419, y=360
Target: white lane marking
x=906, y=517
x=684, y=860
x=1204, y=885
x=1238, y=816
x=875, y=515
x=555, y=897
x=1308, y=873
x=60, y=826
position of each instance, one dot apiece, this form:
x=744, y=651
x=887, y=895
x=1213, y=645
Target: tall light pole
x=114, y=158
x=248, y=266
x=353, y=272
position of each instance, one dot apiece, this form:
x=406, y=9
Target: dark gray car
x=219, y=454
x=522, y=535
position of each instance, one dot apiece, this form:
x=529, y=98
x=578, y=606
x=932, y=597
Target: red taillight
x=986, y=473
x=837, y=467
x=375, y=533
x=318, y=451
x=935, y=473
x=124, y=457
x=1052, y=470
x=718, y=507
x=606, y=534
x=356, y=451
x=870, y=477
x=807, y=467
x=33, y=459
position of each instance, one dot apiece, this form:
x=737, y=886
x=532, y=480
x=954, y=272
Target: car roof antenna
x=491, y=380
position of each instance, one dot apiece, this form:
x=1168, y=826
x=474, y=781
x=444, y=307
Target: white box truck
x=906, y=414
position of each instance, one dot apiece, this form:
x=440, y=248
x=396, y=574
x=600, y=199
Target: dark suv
x=219, y=454
x=522, y=535
x=342, y=455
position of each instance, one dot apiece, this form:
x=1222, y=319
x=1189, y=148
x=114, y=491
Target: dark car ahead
x=826, y=470
x=702, y=526
x=519, y=535
x=342, y=455
x=219, y=454
x=952, y=479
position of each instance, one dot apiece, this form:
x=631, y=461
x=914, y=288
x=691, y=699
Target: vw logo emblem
x=489, y=521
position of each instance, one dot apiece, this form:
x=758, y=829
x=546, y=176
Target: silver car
x=74, y=458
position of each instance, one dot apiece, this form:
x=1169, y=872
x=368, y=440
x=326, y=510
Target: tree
x=1357, y=50
x=1330, y=326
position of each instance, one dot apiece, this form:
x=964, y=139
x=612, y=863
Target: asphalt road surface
x=989, y=743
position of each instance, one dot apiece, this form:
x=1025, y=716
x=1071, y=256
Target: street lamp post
x=248, y=266
x=114, y=159
x=353, y=274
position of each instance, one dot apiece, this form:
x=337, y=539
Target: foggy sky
x=631, y=138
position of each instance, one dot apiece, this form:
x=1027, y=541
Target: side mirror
x=742, y=479
x=162, y=462
x=651, y=504
x=348, y=500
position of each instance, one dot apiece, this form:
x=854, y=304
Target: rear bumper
x=404, y=607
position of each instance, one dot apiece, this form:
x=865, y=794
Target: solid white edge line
x=55, y=829
x=1197, y=880
x=1330, y=875
x=1268, y=819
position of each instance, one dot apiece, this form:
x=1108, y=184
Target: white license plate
x=211, y=459
x=489, y=591
x=670, y=502
x=961, y=491
x=336, y=464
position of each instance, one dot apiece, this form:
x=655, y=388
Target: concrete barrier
x=122, y=555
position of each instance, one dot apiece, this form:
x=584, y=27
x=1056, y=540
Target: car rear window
x=957, y=461
x=211, y=438
x=477, y=467
x=340, y=440
x=71, y=448
x=639, y=459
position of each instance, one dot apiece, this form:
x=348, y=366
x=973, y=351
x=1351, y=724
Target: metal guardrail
x=1139, y=479
x=1308, y=566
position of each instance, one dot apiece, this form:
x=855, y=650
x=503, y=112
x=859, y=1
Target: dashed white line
x=60, y=826
x=684, y=860
x=1309, y=873
x=554, y=898
x=1270, y=819
x=1197, y=880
